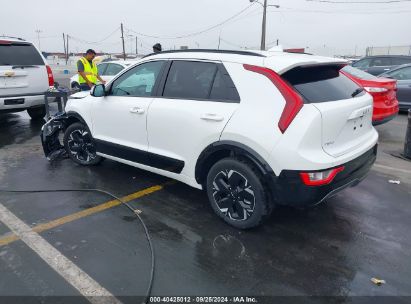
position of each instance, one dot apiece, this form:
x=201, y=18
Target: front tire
x=37, y=113
x=80, y=145
x=236, y=193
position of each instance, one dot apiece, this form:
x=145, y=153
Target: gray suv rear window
x=322, y=83
x=19, y=54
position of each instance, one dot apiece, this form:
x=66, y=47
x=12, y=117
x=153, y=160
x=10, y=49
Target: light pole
x=264, y=25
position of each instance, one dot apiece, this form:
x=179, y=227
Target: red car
x=383, y=90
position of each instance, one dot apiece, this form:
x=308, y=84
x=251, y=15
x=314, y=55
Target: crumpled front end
x=50, y=136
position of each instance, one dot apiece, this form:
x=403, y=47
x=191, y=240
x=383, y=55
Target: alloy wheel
x=81, y=145
x=233, y=195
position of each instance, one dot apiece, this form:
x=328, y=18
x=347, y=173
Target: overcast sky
x=297, y=23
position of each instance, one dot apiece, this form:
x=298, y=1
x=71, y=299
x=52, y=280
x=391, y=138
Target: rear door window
x=190, y=80
x=382, y=61
x=19, y=54
x=364, y=63
x=113, y=69
x=399, y=61
x=101, y=68
x=401, y=74
x=322, y=83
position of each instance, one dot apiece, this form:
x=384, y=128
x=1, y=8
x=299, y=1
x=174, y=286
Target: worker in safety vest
x=88, y=72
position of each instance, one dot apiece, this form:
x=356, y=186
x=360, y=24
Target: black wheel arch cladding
x=221, y=149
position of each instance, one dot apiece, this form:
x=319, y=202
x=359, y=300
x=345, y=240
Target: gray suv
x=377, y=65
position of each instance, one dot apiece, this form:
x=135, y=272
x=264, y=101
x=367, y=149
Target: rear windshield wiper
x=24, y=66
x=357, y=91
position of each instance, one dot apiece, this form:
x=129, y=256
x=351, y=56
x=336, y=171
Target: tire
x=80, y=145
x=236, y=193
x=37, y=113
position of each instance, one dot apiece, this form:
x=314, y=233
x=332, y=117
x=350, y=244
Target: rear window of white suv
x=322, y=83
x=17, y=53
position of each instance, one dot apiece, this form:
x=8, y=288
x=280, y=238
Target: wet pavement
x=333, y=249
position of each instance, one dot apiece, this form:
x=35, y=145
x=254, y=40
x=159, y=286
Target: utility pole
x=264, y=29
x=38, y=37
x=219, y=41
x=122, y=40
x=65, y=49
x=136, y=45
x=278, y=40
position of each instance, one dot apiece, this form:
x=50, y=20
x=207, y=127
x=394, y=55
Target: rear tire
x=236, y=193
x=37, y=113
x=80, y=145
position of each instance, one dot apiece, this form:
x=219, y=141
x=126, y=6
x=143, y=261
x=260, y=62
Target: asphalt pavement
x=333, y=249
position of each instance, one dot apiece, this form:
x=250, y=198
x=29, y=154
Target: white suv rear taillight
x=50, y=76
x=293, y=101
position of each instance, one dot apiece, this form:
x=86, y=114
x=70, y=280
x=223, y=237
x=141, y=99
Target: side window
x=190, y=80
x=364, y=63
x=101, y=68
x=401, y=74
x=383, y=61
x=399, y=61
x=113, y=69
x=139, y=81
x=224, y=88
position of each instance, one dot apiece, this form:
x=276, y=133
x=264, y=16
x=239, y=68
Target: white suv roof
x=277, y=60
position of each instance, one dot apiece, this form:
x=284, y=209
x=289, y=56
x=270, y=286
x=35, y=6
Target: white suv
x=24, y=77
x=253, y=129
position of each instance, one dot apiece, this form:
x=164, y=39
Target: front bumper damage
x=50, y=133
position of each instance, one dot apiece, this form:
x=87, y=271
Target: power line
x=350, y=12
x=95, y=42
x=359, y=2
x=195, y=33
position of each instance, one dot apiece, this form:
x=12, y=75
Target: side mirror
x=98, y=90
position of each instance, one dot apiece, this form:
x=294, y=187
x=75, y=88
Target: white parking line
x=76, y=277
x=391, y=168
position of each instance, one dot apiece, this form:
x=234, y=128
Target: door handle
x=212, y=117
x=137, y=110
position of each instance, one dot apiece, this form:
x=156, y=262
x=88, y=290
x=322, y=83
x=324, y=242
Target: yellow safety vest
x=90, y=70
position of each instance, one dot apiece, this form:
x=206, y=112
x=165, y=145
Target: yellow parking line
x=8, y=239
x=78, y=215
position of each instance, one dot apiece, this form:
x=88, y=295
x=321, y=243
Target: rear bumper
x=289, y=189
x=383, y=120
x=20, y=103
x=404, y=106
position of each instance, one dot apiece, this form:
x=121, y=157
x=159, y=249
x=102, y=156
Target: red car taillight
x=50, y=76
x=375, y=89
x=320, y=178
x=293, y=100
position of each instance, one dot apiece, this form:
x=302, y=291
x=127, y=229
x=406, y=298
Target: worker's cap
x=91, y=51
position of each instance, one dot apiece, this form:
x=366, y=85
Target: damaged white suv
x=253, y=129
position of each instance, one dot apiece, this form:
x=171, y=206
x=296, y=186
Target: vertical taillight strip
x=293, y=101
x=50, y=76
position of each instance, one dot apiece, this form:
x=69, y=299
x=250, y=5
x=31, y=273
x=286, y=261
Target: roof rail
x=5, y=36
x=246, y=53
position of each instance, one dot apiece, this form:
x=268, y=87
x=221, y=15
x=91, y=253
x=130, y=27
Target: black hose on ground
x=135, y=212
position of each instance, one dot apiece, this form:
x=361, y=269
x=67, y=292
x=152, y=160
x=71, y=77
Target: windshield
x=358, y=73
